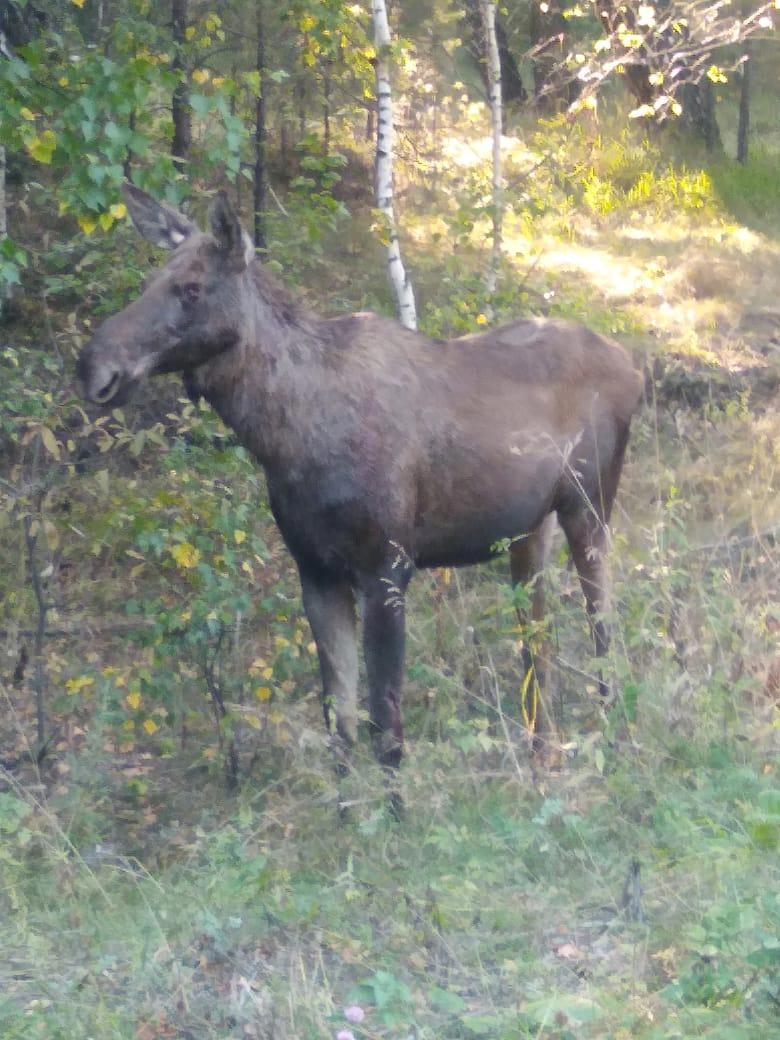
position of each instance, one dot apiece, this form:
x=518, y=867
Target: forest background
x=171, y=864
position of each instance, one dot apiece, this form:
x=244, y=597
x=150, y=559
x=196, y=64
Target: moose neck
x=263, y=388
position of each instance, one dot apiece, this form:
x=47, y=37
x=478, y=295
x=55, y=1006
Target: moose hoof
x=396, y=807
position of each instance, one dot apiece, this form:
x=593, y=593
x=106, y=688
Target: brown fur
x=384, y=450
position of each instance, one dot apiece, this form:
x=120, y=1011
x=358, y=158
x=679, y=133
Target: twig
x=130, y=625
x=31, y=540
x=220, y=709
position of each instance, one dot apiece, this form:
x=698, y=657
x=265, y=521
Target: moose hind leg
x=384, y=637
x=330, y=608
x=586, y=534
x=527, y=558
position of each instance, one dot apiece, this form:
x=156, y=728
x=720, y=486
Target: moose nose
x=109, y=389
x=100, y=382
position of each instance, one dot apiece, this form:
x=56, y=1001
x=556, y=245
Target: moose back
x=384, y=450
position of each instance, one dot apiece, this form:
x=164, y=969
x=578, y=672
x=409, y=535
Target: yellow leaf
x=63, y=81
x=51, y=534
x=118, y=211
x=275, y=717
x=267, y=673
x=630, y=40
x=239, y=536
x=312, y=647
x=716, y=75
x=246, y=566
x=482, y=319
x=106, y=220
x=78, y=3
x=50, y=442
x=307, y=22
x=26, y=113
x=79, y=683
x=87, y=224
x=150, y=726
x=201, y=76
x=186, y=555
x=263, y=693
x=133, y=700
x=42, y=148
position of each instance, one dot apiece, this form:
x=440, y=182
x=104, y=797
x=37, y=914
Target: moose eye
x=188, y=294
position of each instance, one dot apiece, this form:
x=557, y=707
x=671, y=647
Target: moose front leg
x=527, y=557
x=330, y=608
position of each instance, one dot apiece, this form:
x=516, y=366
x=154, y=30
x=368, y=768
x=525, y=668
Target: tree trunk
x=512, y=87
x=180, y=102
x=698, y=101
x=327, y=88
x=384, y=166
x=548, y=35
x=4, y=289
x=127, y=165
x=261, y=134
x=743, y=127
x=493, y=65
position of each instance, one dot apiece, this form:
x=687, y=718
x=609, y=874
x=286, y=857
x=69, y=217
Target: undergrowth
x=633, y=892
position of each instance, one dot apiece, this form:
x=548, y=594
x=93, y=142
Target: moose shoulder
x=384, y=450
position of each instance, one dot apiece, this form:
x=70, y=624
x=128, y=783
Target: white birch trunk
x=399, y=279
x=493, y=61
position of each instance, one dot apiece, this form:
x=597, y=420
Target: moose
x=384, y=450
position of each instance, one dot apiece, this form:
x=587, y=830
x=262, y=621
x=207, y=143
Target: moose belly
x=472, y=533
x=472, y=503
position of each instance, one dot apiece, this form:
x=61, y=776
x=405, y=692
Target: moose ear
x=231, y=238
x=158, y=222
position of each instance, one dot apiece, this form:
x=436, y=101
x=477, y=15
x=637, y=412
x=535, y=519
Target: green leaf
x=446, y=1001
x=201, y=105
x=483, y=1025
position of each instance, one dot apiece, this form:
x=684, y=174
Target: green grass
x=493, y=910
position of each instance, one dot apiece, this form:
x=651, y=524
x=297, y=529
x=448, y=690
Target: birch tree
x=399, y=279
x=493, y=63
